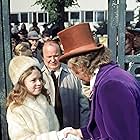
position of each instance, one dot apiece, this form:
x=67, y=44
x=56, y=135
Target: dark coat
x=115, y=107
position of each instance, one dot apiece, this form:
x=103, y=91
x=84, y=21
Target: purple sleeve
x=85, y=133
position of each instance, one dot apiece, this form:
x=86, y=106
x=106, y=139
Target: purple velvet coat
x=115, y=106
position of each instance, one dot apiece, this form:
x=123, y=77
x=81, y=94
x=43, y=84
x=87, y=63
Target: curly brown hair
x=92, y=60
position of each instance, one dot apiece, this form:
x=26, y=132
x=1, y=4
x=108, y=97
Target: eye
x=40, y=79
x=33, y=80
x=56, y=56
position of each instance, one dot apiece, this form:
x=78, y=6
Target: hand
x=61, y=133
x=75, y=132
x=72, y=137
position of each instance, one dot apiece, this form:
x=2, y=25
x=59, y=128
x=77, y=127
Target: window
x=40, y=17
x=13, y=18
x=34, y=16
x=24, y=17
x=46, y=17
x=89, y=16
x=100, y=16
x=66, y=16
x=75, y=16
x=129, y=16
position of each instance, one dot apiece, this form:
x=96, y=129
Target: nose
x=53, y=59
x=39, y=82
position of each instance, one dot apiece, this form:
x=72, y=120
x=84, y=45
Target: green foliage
x=55, y=8
x=47, y=4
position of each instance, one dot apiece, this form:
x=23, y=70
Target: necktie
x=58, y=105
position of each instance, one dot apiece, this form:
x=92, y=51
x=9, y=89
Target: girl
x=30, y=115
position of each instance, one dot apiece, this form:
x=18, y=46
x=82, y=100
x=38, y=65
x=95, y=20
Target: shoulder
x=66, y=69
x=14, y=111
x=68, y=76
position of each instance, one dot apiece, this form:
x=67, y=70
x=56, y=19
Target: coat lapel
x=100, y=76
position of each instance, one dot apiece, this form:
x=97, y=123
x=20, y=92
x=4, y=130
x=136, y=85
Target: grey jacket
x=75, y=105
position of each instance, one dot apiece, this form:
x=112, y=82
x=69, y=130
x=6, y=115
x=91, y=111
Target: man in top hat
x=115, y=93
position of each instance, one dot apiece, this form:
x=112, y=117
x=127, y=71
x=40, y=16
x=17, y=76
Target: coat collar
x=104, y=69
x=63, y=67
x=38, y=104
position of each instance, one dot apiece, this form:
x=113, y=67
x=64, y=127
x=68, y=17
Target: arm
x=18, y=129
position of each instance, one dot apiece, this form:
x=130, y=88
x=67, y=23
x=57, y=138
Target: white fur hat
x=18, y=65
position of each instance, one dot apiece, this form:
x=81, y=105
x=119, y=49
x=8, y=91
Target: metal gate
x=116, y=36
x=5, y=56
x=116, y=33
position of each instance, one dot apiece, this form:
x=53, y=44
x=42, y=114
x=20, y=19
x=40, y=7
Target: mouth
x=38, y=88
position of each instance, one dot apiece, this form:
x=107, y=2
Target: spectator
x=23, y=48
x=36, y=45
x=35, y=27
x=129, y=43
x=46, y=30
x=15, y=39
x=136, y=39
x=74, y=107
x=45, y=37
x=132, y=47
x=23, y=32
x=15, y=28
x=137, y=24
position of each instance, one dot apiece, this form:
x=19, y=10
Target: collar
x=93, y=78
x=104, y=69
x=63, y=67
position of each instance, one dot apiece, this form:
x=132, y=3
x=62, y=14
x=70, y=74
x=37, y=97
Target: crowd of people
x=68, y=87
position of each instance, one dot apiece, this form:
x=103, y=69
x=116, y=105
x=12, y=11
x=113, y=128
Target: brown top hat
x=77, y=40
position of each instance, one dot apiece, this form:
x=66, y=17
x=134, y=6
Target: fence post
x=121, y=32
x=5, y=56
x=112, y=27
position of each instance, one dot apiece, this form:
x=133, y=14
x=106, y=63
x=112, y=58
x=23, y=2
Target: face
x=23, y=26
x=34, y=43
x=34, y=83
x=51, y=54
x=137, y=41
x=129, y=43
x=80, y=73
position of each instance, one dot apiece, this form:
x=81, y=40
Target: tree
x=56, y=11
